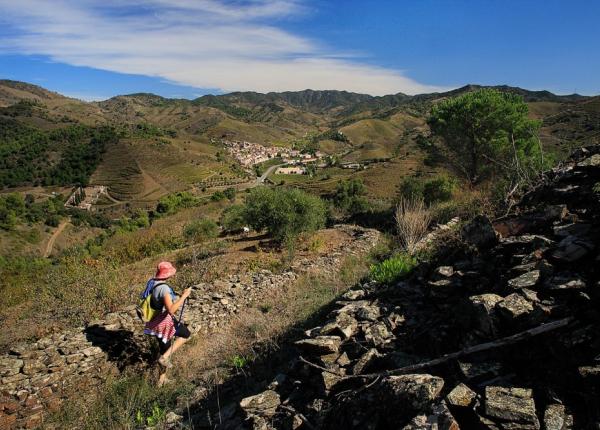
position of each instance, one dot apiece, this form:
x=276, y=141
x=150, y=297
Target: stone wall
x=37, y=377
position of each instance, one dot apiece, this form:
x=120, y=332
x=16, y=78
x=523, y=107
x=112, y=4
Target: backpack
x=144, y=309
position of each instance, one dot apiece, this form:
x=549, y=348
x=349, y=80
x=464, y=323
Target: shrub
x=393, y=268
x=233, y=218
x=230, y=193
x=201, y=230
x=349, y=197
x=412, y=221
x=438, y=189
x=173, y=202
x=411, y=188
x=284, y=213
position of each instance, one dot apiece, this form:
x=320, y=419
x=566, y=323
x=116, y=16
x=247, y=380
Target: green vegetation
x=349, y=197
x=487, y=134
x=173, y=202
x=284, y=213
x=201, y=230
x=28, y=155
x=393, y=268
x=145, y=130
x=233, y=218
x=435, y=190
x=14, y=209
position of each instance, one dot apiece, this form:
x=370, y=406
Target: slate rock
x=514, y=306
x=377, y=334
x=483, y=311
x=512, y=405
x=263, y=404
x=319, y=345
x=554, y=417
x=461, y=396
x=526, y=280
x=479, y=232
x=365, y=361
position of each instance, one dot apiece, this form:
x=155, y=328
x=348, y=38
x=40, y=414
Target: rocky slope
x=501, y=331
x=37, y=377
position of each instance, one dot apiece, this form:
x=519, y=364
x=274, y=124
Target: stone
x=565, y=281
x=344, y=325
x=368, y=313
x=574, y=229
x=10, y=366
x=593, y=161
x=263, y=404
x=365, y=361
x=483, y=306
x=514, y=306
x=514, y=405
x=343, y=360
x=8, y=421
x=443, y=288
x=417, y=391
x=353, y=294
x=554, y=417
x=31, y=367
x=444, y=271
x=572, y=248
x=479, y=232
x=172, y=418
x=377, y=334
x=461, y=396
x=479, y=371
x=328, y=379
x=440, y=418
x=555, y=212
x=526, y=280
x=320, y=345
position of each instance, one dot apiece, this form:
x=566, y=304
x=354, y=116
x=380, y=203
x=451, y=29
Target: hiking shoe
x=165, y=362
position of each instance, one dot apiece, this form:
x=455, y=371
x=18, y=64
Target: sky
x=96, y=49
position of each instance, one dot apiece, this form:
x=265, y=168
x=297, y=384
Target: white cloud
x=201, y=43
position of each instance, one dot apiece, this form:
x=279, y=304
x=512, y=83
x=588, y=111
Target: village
x=249, y=154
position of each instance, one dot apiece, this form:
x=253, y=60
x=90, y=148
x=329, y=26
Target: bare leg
x=174, y=347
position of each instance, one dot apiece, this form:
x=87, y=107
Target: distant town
x=249, y=154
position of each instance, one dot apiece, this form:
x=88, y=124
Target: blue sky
x=94, y=49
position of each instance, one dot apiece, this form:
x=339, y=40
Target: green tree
x=233, y=218
x=487, y=132
x=284, y=213
x=349, y=196
x=230, y=193
x=201, y=230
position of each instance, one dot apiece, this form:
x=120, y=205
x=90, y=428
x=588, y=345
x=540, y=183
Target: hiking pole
x=180, y=319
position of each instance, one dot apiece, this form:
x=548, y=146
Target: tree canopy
x=487, y=132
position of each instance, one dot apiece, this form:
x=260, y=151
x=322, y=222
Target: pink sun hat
x=164, y=270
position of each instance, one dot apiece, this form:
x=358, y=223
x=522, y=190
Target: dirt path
x=53, y=238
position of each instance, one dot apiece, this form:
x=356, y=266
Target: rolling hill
x=168, y=145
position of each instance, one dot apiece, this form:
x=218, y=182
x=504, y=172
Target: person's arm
x=171, y=306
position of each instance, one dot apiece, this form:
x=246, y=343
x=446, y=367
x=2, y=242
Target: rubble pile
x=501, y=331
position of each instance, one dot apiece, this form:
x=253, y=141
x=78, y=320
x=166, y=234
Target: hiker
x=164, y=325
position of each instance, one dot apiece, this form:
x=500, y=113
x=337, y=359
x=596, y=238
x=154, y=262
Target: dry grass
x=412, y=221
x=259, y=329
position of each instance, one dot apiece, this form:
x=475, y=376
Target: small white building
x=295, y=170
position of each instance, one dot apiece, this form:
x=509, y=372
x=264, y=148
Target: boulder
x=461, y=396
x=593, y=161
x=514, y=307
x=320, y=345
x=368, y=313
x=479, y=232
x=440, y=418
x=526, y=280
x=565, y=281
x=511, y=405
x=476, y=372
x=263, y=404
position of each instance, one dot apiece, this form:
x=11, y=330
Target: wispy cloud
x=201, y=43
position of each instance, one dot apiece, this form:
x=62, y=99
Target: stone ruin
x=501, y=331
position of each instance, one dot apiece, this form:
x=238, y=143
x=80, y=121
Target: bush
x=230, y=193
x=201, y=230
x=173, y=202
x=438, y=189
x=233, y=218
x=393, y=268
x=284, y=213
x=349, y=197
x=412, y=222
